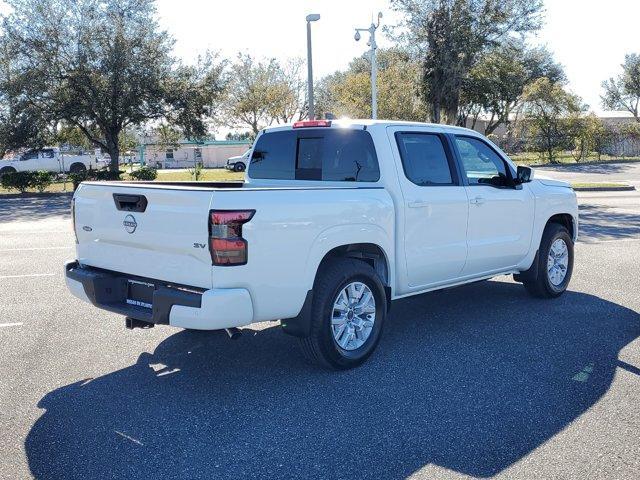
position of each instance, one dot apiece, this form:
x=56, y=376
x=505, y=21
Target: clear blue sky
x=589, y=37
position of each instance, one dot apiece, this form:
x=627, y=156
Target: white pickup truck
x=334, y=221
x=50, y=160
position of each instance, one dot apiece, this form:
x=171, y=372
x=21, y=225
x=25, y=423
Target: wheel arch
x=371, y=253
x=566, y=220
x=79, y=165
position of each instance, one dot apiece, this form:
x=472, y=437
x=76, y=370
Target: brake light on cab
x=226, y=244
x=312, y=123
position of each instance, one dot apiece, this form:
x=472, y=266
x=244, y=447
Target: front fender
x=550, y=201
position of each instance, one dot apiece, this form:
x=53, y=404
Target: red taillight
x=225, y=236
x=312, y=123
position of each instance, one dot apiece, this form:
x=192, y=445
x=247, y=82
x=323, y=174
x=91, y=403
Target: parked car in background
x=334, y=221
x=238, y=163
x=50, y=160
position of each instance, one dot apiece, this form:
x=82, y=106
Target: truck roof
x=362, y=123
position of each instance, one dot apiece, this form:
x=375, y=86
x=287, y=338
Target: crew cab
x=335, y=220
x=50, y=160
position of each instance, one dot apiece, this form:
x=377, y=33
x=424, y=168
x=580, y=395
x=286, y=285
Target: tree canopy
x=261, y=92
x=103, y=66
x=550, y=116
x=449, y=35
x=348, y=93
x=623, y=92
x=496, y=82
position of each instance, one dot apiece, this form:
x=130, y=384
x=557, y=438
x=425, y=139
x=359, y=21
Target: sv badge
x=199, y=245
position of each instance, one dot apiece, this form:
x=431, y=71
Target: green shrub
x=41, y=180
x=17, y=181
x=196, y=171
x=144, y=173
x=89, y=175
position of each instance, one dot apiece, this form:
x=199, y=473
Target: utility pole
x=374, y=64
x=313, y=17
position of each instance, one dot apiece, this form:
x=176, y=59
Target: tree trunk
x=113, y=150
x=451, y=114
x=435, y=112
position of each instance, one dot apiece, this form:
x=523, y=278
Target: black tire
x=541, y=286
x=5, y=170
x=238, y=167
x=320, y=347
x=77, y=168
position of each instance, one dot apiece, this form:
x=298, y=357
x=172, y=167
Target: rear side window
x=424, y=159
x=342, y=155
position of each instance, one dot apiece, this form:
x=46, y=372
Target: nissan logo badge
x=130, y=224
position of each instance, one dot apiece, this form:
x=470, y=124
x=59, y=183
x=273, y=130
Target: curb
x=621, y=188
x=35, y=195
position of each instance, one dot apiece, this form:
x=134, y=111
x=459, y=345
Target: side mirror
x=524, y=174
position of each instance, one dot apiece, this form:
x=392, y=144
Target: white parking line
x=29, y=275
x=129, y=438
x=15, y=324
x=34, y=248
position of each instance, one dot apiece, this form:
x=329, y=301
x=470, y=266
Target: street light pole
x=374, y=63
x=313, y=17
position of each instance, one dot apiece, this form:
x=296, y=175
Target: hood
x=550, y=182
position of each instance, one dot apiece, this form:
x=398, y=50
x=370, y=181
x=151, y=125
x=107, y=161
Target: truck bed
x=169, y=240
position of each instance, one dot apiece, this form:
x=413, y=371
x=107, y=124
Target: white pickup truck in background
x=50, y=160
x=239, y=162
x=334, y=222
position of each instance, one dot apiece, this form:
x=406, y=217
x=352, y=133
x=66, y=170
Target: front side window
x=48, y=153
x=481, y=164
x=344, y=155
x=424, y=158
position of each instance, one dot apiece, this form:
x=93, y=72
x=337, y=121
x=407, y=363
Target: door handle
x=477, y=200
x=418, y=204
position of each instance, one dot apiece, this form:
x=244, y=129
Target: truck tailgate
x=148, y=232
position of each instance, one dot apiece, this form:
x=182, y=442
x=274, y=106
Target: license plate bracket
x=140, y=294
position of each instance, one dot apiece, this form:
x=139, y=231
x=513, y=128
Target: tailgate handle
x=130, y=203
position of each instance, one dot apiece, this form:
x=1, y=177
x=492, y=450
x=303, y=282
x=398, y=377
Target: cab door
x=29, y=161
x=500, y=212
x=435, y=207
x=49, y=160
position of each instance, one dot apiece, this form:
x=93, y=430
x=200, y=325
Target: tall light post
x=313, y=17
x=374, y=64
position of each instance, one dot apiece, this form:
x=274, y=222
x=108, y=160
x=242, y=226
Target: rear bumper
x=171, y=305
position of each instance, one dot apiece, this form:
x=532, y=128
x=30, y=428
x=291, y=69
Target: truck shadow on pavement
x=471, y=379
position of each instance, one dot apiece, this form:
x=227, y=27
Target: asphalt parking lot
x=477, y=381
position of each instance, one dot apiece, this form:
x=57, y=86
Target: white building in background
x=211, y=153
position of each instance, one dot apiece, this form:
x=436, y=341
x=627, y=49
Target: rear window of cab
x=329, y=154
